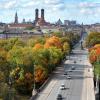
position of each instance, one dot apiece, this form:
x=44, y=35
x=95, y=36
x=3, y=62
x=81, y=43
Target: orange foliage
x=40, y=74
x=94, y=56
x=53, y=41
x=98, y=51
x=38, y=46
x=94, y=48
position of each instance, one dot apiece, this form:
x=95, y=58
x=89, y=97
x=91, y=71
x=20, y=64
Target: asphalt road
x=79, y=87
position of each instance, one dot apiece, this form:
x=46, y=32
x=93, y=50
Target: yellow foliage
x=97, y=45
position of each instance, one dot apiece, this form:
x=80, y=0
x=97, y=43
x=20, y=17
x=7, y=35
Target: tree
x=53, y=41
x=92, y=39
x=4, y=65
x=58, y=34
x=38, y=46
x=15, y=57
x=66, y=48
x=93, y=56
x=56, y=55
x=8, y=44
x=41, y=74
x=41, y=56
x=19, y=43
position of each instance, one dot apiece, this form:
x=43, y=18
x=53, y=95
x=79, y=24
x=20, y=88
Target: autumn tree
x=66, y=48
x=41, y=74
x=92, y=39
x=4, y=65
x=38, y=46
x=53, y=41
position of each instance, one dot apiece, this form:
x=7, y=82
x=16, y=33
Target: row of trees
x=31, y=61
x=93, y=43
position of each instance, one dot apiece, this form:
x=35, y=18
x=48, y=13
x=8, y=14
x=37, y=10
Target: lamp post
x=34, y=76
x=69, y=55
x=34, y=91
x=10, y=95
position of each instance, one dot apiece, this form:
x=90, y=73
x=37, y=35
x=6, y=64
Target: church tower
x=16, y=18
x=42, y=14
x=36, y=15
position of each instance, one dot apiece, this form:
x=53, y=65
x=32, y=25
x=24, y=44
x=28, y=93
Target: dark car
x=74, y=61
x=59, y=97
x=65, y=73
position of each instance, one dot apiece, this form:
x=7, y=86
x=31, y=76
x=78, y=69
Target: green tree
x=92, y=39
x=66, y=48
x=4, y=65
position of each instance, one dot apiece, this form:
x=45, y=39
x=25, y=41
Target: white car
x=62, y=87
x=68, y=77
x=73, y=68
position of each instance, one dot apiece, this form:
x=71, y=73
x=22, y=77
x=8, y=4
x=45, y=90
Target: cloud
x=52, y=2
x=9, y=4
x=68, y=9
x=86, y=11
x=30, y=4
x=89, y=9
x=89, y=5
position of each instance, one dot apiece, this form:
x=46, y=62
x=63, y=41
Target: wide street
x=79, y=87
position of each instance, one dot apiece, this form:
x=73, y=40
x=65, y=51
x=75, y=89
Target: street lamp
x=11, y=91
x=69, y=55
x=10, y=82
x=34, y=77
x=34, y=90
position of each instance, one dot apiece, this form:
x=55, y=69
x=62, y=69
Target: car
x=59, y=97
x=62, y=87
x=74, y=61
x=69, y=70
x=73, y=68
x=68, y=77
x=65, y=73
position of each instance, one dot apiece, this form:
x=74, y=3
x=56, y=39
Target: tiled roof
x=20, y=25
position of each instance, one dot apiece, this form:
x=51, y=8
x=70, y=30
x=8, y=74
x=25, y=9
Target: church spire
x=16, y=18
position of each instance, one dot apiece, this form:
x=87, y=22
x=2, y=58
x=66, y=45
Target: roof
x=20, y=25
x=59, y=22
x=15, y=31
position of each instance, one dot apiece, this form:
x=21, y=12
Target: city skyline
x=86, y=11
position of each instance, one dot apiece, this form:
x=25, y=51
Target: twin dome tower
x=37, y=14
x=38, y=21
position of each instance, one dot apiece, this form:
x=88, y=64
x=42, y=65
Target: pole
x=34, y=91
x=34, y=77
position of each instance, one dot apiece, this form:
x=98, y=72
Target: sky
x=86, y=11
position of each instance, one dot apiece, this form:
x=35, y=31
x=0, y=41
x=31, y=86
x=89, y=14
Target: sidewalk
x=88, y=85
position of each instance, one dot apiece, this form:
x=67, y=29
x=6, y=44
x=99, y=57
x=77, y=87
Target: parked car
x=59, y=97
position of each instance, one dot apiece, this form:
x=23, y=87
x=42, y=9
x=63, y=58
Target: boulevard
x=79, y=87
